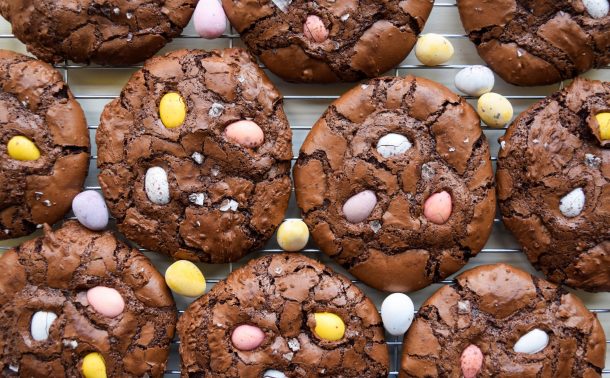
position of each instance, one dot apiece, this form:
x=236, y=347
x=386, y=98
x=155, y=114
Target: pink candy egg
x=437, y=207
x=210, y=19
x=106, y=301
x=471, y=361
x=245, y=133
x=315, y=30
x=247, y=337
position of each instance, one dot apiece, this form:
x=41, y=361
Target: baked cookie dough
x=72, y=296
x=328, y=40
x=112, y=32
x=44, y=145
x=194, y=156
x=285, y=303
x=396, y=184
x=538, y=42
x=517, y=324
x=554, y=184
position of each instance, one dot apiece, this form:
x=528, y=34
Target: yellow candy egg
x=329, y=326
x=433, y=49
x=184, y=278
x=94, y=366
x=603, y=119
x=172, y=110
x=292, y=235
x=21, y=148
x=494, y=109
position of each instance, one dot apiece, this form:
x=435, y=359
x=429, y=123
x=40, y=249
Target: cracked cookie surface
x=550, y=150
x=111, y=32
x=365, y=38
x=492, y=307
x=279, y=294
x=536, y=42
x=396, y=248
x=53, y=273
x=35, y=103
x=225, y=200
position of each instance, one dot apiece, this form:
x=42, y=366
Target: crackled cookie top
x=328, y=40
x=73, y=294
x=554, y=184
x=44, y=145
x=396, y=184
x=105, y=32
x=285, y=303
x=194, y=156
x=539, y=42
x=499, y=321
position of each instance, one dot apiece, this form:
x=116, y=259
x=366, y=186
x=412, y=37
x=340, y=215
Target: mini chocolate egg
x=358, y=207
x=397, y=312
x=392, y=145
x=314, y=29
x=532, y=342
x=494, y=109
x=90, y=209
x=245, y=133
x=433, y=49
x=292, y=235
x=603, y=120
x=157, y=186
x=438, y=207
x=172, y=110
x=94, y=366
x=106, y=301
x=23, y=149
x=209, y=19
x=475, y=80
x=571, y=204
x=40, y=324
x=597, y=8
x=247, y=337
x=471, y=361
x=273, y=374
x=329, y=326
x=185, y=278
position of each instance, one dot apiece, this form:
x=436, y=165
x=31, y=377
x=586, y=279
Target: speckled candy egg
x=245, y=133
x=494, y=109
x=596, y=8
x=397, y=312
x=90, y=209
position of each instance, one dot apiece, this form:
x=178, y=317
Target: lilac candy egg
x=90, y=210
x=210, y=19
x=359, y=207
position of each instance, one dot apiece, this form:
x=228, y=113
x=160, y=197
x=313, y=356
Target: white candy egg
x=475, y=80
x=273, y=374
x=393, y=144
x=41, y=324
x=532, y=342
x=157, y=186
x=397, y=313
x=571, y=204
x=597, y=8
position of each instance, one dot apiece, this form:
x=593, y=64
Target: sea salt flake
x=593, y=161
x=47, y=203
x=427, y=172
x=282, y=4
x=375, y=225
x=463, y=307
x=129, y=15
x=535, y=141
x=278, y=270
x=197, y=198
x=70, y=343
x=14, y=368
x=228, y=204
x=466, y=140
x=116, y=11
x=197, y=157
x=288, y=356
x=502, y=144
x=216, y=110
x=294, y=345
x=241, y=79
x=215, y=171
x=345, y=17
x=451, y=149
x=129, y=37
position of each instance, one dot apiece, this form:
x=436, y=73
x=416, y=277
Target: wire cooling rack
x=95, y=86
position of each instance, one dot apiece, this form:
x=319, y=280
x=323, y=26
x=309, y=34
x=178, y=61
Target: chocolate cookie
x=499, y=321
x=73, y=294
x=104, y=32
x=44, y=145
x=195, y=155
x=284, y=300
x=554, y=185
x=538, y=42
x=395, y=183
x=328, y=40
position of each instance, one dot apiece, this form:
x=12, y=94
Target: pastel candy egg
x=571, y=204
x=172, y=110
x=471, y=361
x=433, y=49
x=94, y=366
x=358, y=207
x=329, y=326
x=597, y=8
x=603, y=119
x=494, y=109
x=397, y=313
x=247, y=337
x=393, y=144
x=210, y=19
x=106, y=301
x=532, y=342
x=475, y=80
x=157, y=186
x=314, y=29
x=185, y=278
x=292, y=235
x=273, y=374
x=438, y=207
x=40, y=325
x=245, y=133
x=90, y=210
x=23, y=149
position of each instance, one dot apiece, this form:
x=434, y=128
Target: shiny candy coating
x=245, y=133
x=247, y=337
x=185, y=278
x=397, y=312
x=603, y=119
x=494, y=109
x=172, y=110
x=438, y=207
x=157, y=186
x=358, y=207
x=532, y=342
x=106, y=301
x=329, y=326
x=471, y=361
x=292, y=235
x=40, y=325
x=475, y=80
x=94, y=366
x=315, y=30
x=90, y=209
x=23, y=149
x=433, y=49
x=209, y=19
